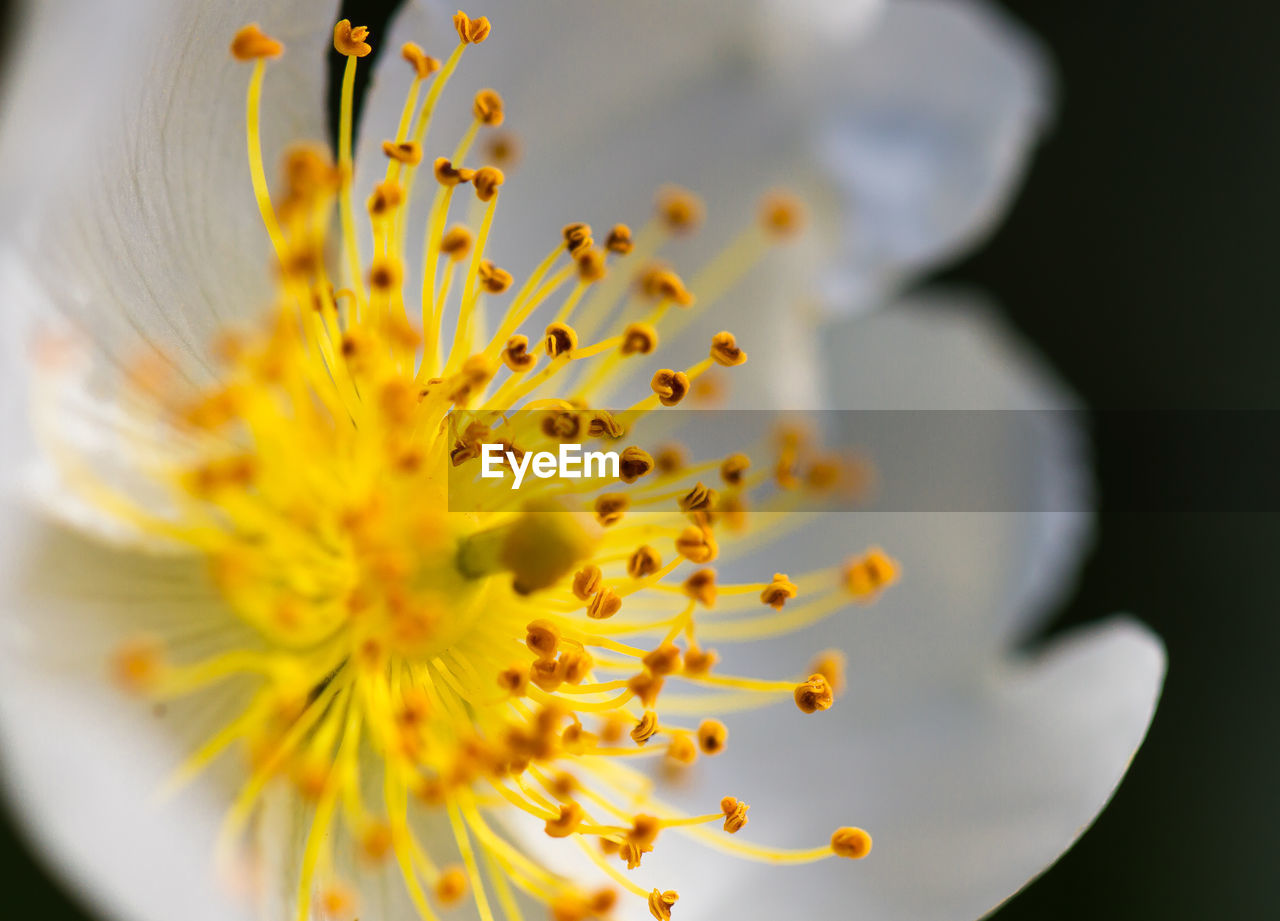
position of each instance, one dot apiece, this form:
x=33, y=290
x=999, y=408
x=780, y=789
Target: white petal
x=143, y=228
x=1023, y=476
x=83, y=761
x=78, y=771
x=929, y=141
x=969, y=789
x=81, y=764
x=797, y=25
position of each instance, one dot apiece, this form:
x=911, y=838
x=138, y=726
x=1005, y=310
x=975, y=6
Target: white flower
x=907, y=126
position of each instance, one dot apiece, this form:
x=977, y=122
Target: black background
x=1139, y=261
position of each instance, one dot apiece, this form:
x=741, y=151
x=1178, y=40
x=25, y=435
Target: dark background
x=1139, y=259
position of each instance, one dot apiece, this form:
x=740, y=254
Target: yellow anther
x=397, y=399
x=311, y=778
x=698, y=499
x=712, y=737
x=644, y=829
x=560, y=339
x=702, y=587
x=828, y=473
x=591, y=265
x=646, y=728
x=631, y=854
x=679, y=209
x=353, y=344
x=670, y=386
x=604, y=604
x=493, y=279
x=308, y=172
x=503, y=149
x=670, y=459
x=867, y=575
x=778, y=592
x=542, y=638
x=646, y=686
x=487, y=108
x=853, y=843
x=302, y=260
x=577, y=739
x=733, y=468
x=639, y=339
x=545, y=673
x=609, y=507
x=577, y=237
x=682, y=750
x=781, y=215
x=830, y=664
x=814, y=695
x=602, y=902
x=587, y=581
x=660, y=903
x=574, y=665
x=471, y=31
x=385, y=274
x=486, y=180
x=735, y=814
x=515, y=354
x=566, y=822
x=476, y=371
x=451, y=887
x=697, y=545
x=431, y=790
x=514, y=680
x=387, y=196
x=570, y=906
x=563, y=785
x=138, y=664
x=663, y=284
x=604, y=425
x=337, y=901
x=447, y=175
x=645, y=561
x=457, y=242
x=409, y=152
x=634, y=463
x=724, y=349
x=665, y=660
x=424, y=65
x=619, y=240
x=229, y=473
x=562, y=426
x=375, y=842
x=709, y=389
x=351, y=41
x=251, y=43
x=699, y=661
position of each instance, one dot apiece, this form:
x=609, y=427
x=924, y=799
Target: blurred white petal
x=930, y=140
x=1005, y=565
x=81, y=764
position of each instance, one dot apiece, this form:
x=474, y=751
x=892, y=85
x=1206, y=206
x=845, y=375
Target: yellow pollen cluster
x=524, y=653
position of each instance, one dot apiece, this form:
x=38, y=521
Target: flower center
x=517, y=654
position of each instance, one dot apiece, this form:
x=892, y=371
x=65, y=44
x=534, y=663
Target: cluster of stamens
x=524, y=652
